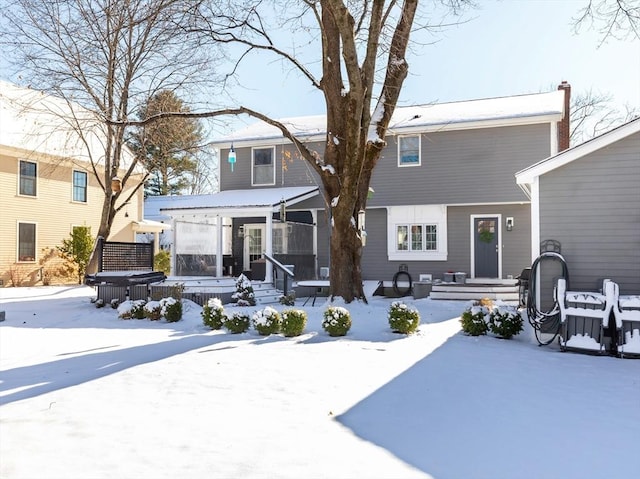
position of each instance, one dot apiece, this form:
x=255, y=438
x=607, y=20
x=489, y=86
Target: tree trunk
x=106, y=219
x=345, y=272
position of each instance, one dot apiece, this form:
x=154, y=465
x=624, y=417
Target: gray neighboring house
x=588, y=199
x=443, y=196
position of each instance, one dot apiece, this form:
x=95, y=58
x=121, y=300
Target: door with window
x=254, y=243
x=486, y=250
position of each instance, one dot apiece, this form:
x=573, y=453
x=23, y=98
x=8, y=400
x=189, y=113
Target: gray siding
x=468, y=166
x=592, y=206
x=515, y=243
x=291, y=170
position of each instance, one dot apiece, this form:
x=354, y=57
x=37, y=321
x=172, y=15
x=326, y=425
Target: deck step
x=476, y=290
x=463, y=295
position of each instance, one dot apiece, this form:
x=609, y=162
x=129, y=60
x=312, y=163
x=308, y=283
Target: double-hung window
x=417, y=237
x=263, y=171
x=80, y=186
x=409, y=150
x=26, y=241
x=28, y=178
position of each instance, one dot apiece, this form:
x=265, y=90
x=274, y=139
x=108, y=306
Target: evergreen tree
x=77, y=249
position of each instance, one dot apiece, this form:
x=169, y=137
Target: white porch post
x=219, y=251
x=156, y=243
x=268, y=275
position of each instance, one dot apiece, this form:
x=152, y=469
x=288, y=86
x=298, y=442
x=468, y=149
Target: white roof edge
x=527, y=175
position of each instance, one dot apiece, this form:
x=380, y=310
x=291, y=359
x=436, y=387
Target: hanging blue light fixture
x=232, y=157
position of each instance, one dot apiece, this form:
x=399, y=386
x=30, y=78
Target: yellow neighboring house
x=46, y=183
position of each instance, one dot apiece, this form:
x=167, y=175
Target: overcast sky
x=507, y=47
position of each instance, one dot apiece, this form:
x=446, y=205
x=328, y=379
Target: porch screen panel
x=195, y=248
x=293, y=245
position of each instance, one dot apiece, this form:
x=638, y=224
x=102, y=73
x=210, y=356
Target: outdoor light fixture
x=361, y=228
x=232, y=157
x=283, y=210
x=116, y=185
x=241, y=232
x=509, y=223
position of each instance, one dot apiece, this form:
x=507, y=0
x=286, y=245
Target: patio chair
x=626, y=311
x=584, y=316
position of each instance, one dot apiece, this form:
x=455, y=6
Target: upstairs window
x=26, y=242
x=80, y=186
x=28, y=178
x=263, y=171
x=409, y=150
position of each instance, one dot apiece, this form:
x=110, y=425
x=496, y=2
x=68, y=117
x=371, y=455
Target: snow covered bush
x=266, y=321
x=337, y=321
x=236, y=323
x=505, y=321
x=153, y=310
x=171, y=309
x=288, y=300
x=293, y=322
x=124, y=309
x=475, y=320
x=402, y=318
x=137, y=308
x=244, y=295
x=213, y=313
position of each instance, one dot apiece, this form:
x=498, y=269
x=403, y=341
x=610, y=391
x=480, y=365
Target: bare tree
x=613, y=18
x=360, y=68
x=593, y=113
x=106, y=56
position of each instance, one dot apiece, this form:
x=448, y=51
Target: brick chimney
x=563, y=126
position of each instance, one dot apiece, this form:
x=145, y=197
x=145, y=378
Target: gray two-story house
x=442, y=198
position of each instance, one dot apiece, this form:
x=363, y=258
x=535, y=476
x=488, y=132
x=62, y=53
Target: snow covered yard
x=84, y=394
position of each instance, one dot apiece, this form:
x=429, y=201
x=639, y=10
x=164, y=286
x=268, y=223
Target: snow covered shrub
x=293, y=322
x=288, y=300
x=236, y=323
x=475, y=320
x=99, y=303
x=115, y=302
x=337, y=321
x=244, y=295
x=213, y=313
x=402, y=318
x=505, y=321
x=266, y=321
x=153, y=310
x=171, y=309
x=124, y=309
x=137, y=308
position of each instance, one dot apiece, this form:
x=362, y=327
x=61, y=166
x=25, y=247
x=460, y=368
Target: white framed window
x=28, y=182
x=26, y=242
x=417, y=233
x=79, y=186
x=417, y=237
x=263, y=171
x=409, y=151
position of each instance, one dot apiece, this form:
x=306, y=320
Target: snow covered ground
x=84, y=394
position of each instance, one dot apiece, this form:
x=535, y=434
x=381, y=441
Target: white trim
x=472, y=232
x=417, y=214
x=273, y=164
x=86, y=187
x=35, y=241
x=398, y=150
x=535, y=218
x=527, y=175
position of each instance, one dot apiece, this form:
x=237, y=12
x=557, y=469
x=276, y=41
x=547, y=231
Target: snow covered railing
x=626, y=311
x=583, y=316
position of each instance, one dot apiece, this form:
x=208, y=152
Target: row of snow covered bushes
x=168, y=308
x=485, y=316
x=291, y=322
